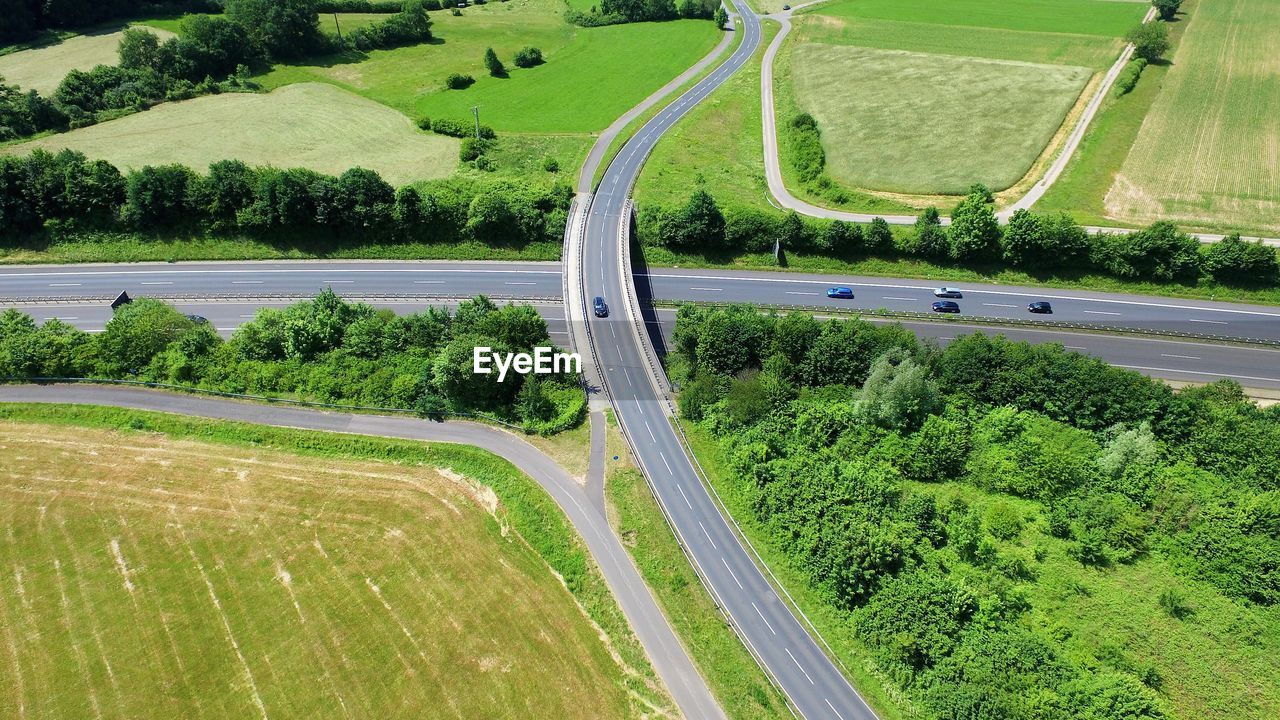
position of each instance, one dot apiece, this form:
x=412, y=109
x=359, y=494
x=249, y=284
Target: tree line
x=323, y=350
x=1032, y=241
x=614, y=12
x=25, y=19
x=210, y=54
x=68, y=192
x=922, y=491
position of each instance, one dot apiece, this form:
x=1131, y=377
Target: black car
x=946, y=306
x=198, y=319
x=601, y=309
x=1041, y=307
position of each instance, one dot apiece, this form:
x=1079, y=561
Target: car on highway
x=198, y=319
x=840, y=292
x=1040, y=307
x=600, y=308
x=946, y=306
x=946, y=292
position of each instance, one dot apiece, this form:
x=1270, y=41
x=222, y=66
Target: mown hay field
x=41, y=69
x=922, y=123
x=312, y=125
x=1208, y=151
x=1089, y=17
x=143, y=576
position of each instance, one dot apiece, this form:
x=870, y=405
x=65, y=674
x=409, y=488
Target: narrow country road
x=647, y=620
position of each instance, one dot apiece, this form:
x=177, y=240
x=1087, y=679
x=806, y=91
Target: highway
x=423, y=280
x=815, y=687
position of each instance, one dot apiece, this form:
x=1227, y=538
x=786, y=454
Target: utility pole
x=337, y=27
x=476, y=111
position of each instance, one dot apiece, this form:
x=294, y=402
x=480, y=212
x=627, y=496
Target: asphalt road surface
x=816, y=688
x=646, y=618
x=542, y=280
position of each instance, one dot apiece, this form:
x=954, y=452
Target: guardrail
x=980, y=320
x=244, y=396
x=656, y=375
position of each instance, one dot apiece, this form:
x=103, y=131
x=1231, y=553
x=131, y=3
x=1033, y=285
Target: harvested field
x=41, y=69
x=311, y=125
x=142, y=576
x=1208, y=152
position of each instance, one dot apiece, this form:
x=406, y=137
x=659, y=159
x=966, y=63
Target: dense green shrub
x=408, y=26
x=805, y=141
x=1128, y=78
x=528, y=57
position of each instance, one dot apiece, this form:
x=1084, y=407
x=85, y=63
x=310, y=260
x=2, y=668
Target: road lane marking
x=1183, y=357
x=735, y=577
x=999, y=305
x=892, y=297
x=797, y=662
x=1198, y=372
x=246, y=282
x=834, y=710
x=664, y=462
x=686, y=497
x=628, y=376
x=431, y=282
x=793, y=292
x=335, y=282
x=651, y=436
x=704, y=532
x=519, y=283
x=157, y=282
x=61, y=317
x=707, y=289
x=64, y=284
x=1075, y=347
x=1100, y=312
x=762, y=617
x=1211, y=322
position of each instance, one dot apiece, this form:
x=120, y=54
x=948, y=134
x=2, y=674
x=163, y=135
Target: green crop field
x=1090, y=17
x=308, y=125
x=918, y=123
x=591, y=75
x=1208, y=151
x=146, y=576
x=41, y=69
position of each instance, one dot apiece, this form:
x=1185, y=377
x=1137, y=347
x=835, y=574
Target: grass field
x=310, y=125
x=147, y=576
x=946, y=122
x=1089, y=17
x=591, y=75
x=41, y=69
x=1208, y=151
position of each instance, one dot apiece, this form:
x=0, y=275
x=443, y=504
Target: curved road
x=646, y=618
x=783, y=646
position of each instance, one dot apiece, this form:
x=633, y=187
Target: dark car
x=946, y=306
x=198, y=319
x=601, y=309
x=947, y=292
x=840, y=292
x=1041, y=307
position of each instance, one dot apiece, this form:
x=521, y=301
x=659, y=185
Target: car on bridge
x=843, y=293
x=1040, y=307
x=946, y=292
x=600, y=308
x=946, y=306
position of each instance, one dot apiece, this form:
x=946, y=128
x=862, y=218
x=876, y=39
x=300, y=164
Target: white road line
x=1183, y=357
x=735, y=577
x=64, y=284
x=247, y=316
x=1075, y=347
x=793, y=292
x=998, y=305
x=61, y=317
x=891, y=297
x=664, y=462
x=1100, y=312
x=519, y=283
x=707, y=289
x=686, y=497
x=834, y=710
x=246, y=282
x=157, y=282
x=628, y=376
x=1198, y=372
x=336, y=282
x=762, y=617
x=704, y=532
x=428, y=282
x=1212, y=322
x=797, y=662
x=651, y=436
